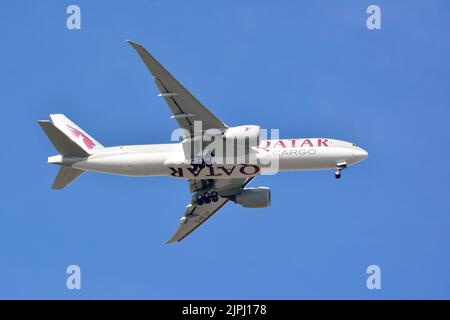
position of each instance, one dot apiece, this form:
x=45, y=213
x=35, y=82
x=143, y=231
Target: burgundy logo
x=80, y=135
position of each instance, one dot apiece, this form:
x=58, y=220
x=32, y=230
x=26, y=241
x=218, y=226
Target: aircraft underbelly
x=132, y=164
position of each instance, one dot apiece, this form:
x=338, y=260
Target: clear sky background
x=309, y=68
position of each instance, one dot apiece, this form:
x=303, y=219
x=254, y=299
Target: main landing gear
x=207, y=197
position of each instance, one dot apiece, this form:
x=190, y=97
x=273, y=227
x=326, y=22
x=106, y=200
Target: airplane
x=214, y=179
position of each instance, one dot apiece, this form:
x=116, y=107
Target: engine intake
x=256, y=197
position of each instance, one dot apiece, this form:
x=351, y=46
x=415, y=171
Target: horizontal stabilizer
x=66, y=175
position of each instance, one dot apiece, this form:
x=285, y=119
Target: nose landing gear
x=339, y=167
x=337, y=174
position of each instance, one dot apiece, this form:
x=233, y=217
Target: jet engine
x=241, y=134
x=257, y=197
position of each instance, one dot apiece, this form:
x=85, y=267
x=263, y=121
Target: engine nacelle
x=241, y=134
x=256, y=197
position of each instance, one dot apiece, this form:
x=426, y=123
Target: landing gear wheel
x=214, y=196
x=199, y=199
x=207, y=197
x=337, y=174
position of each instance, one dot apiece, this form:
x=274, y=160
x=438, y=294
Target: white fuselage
x=169, y=159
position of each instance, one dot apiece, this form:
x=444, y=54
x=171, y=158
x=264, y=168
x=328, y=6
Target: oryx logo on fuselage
x=80, y=135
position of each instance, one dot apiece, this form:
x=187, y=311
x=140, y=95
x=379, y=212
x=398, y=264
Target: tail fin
x=62, y=143
x=70, y=141
x=75, y=133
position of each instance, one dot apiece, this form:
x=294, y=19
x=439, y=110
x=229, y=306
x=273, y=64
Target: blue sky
x=312, y=69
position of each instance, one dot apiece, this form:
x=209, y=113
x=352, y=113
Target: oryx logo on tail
x=80, y=135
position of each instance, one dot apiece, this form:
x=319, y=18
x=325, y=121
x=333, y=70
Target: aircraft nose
x=360, y=154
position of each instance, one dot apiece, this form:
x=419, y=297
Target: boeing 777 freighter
x=215, y=177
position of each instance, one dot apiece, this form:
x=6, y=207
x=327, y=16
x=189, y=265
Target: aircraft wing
x=185, y=107
x=196, y=214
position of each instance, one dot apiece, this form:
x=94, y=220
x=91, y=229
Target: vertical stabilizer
x=75, y=133
x=72, y=142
